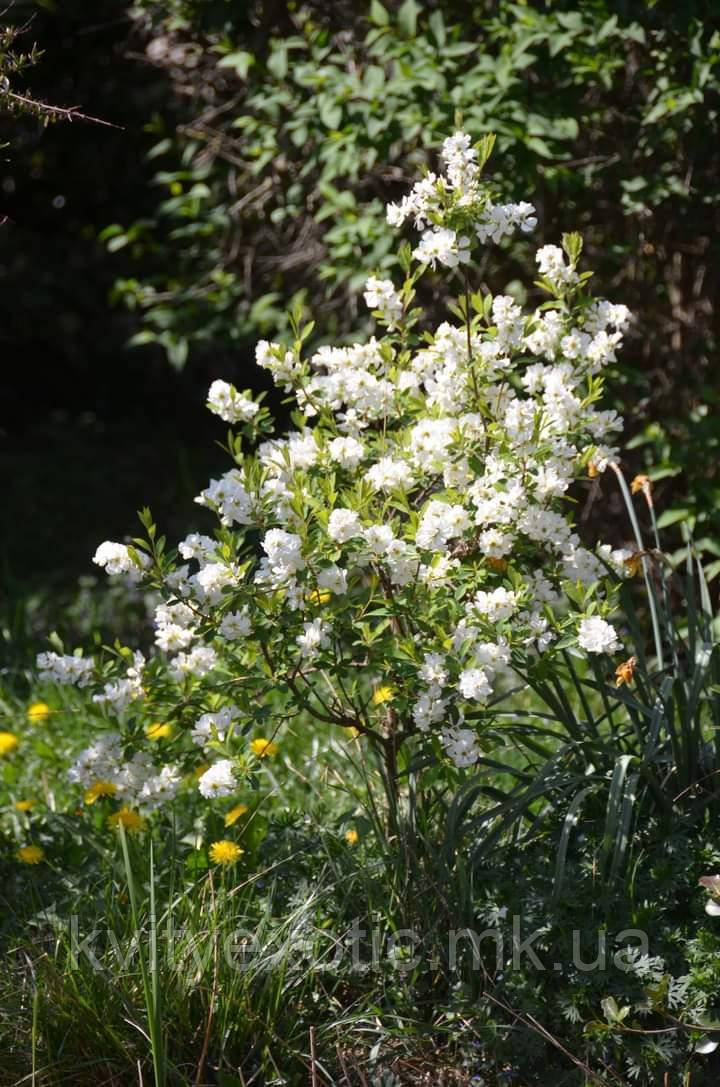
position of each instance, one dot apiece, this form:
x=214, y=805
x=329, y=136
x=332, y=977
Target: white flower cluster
x=136, y=781
x=380, y=295
x=66, y=670
x=198, y=662
x=458, y=189
x=417, y=514
x=219, y=780
x=121, y=692
x=315, y=636
x=282, y=364
x=115, y=558
x=229, y=498
x=597, y=636
x=175, y=627
x=214, y=726
x=234, y=407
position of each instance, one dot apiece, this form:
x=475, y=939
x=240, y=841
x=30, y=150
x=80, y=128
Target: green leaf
x=240, y=61
x=407, y=18
x=278, y=62
x=378, y=14
x=612, y=838
x=437, y=25
x=140, y=338
x=610, y=1009
x=671, y=517
x=177, y=353
x=460, y=49
x=570, y=821
x=572, y=244
x=330, y=113
x=485, y=148
x=118, y=241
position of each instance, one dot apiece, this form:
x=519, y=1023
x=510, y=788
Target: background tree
x=250, y=167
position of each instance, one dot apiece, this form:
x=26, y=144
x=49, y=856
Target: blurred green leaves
x=285, y=136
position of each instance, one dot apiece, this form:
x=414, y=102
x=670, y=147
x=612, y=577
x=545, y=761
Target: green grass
x=592, y=809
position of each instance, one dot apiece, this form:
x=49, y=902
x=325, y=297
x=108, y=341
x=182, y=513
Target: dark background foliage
x=256, y=146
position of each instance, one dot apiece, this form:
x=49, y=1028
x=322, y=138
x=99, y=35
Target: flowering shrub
x=413, y=528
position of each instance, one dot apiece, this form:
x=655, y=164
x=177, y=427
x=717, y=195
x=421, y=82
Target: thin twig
x=530, y=1021
x=69, y=114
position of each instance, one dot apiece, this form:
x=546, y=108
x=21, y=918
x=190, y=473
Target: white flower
x=491, y=656
x=212, y=726
x=379, y=539
x=495, y=544
x=442, y=244
x=283, y=550
x=402, y=562
x=124, y=691
x=344, y=525
x=212, y=579
x=500, y=220
x=236, y=624
x=202, y=548
x=234, y=407
x=597, y=636
x=171, y=637
x=65, y=670
x=282, y=364
x=424, y=200
x=461, y=746
x=198, y=662
x=496, y=605
x=347, y=451
x=433, y=670
x=389, y=475
x=460, y=159
x=314, y=638
x=429, y=709
x=551, y=263
x=98, y=762
x=219, y=780
x=160, y=788
x=333, y=579
x=116, y=559
x=439, y=523
x=229, y=498
x=473, y=684
x=381, y=295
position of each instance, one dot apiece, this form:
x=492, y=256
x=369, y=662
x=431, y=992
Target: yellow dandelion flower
x=264, y=748
x=383, y=694
x=634, y=563
x=159, y=730
x=8, y=742
x=319, y=596
x=99, y=789
x=236, y=813
x=352, y=837
x=640, y=483
x=225, y=852
x=130, y=819
x=23, y=805
x=624, y=672
x=31, y=854
x=38, y=712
